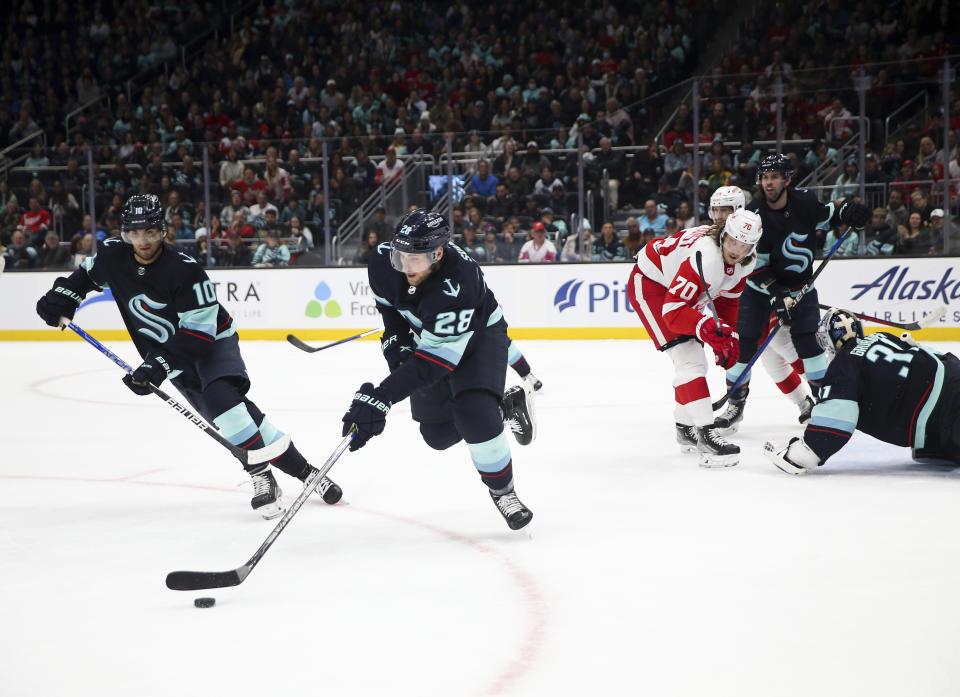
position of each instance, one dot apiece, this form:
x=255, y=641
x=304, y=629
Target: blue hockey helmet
x=417, y=239
x=775, y=163
x=836, y=328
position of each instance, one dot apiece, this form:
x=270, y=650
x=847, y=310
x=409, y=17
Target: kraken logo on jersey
x=157, y=327
x=801, y=255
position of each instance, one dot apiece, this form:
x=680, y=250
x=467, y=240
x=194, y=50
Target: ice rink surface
x=642, y=574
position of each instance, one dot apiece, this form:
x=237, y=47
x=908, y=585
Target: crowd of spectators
x=377, y=82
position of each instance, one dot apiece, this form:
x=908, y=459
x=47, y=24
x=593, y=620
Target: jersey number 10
x=205, y=290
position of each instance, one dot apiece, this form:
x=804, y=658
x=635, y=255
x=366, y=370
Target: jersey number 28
x=446, y=321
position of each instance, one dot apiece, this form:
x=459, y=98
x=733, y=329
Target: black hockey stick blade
x=202, y=580
x=925, y=321
x=199, y=580
x=303, y=346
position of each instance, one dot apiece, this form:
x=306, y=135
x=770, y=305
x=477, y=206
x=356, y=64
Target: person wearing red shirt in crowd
x=390, y=169
x=249, y=186
x=240, y=226
x=35, y=220
x=906, y=183
x=217, y=120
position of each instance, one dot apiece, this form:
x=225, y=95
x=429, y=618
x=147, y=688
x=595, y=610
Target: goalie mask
x=836, y=328
x=416, y=241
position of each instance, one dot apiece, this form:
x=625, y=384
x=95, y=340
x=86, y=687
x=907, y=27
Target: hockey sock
x=517, y=361
x=493, y=462
x=239, y=428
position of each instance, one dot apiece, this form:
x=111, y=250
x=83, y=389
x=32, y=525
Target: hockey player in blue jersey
x=445, y=342
x=183, y=334
x=785, y=256
x=887, y=386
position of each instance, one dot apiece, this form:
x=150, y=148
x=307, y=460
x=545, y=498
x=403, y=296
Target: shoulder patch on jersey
x=451, y=290
x=187, y=258
x=383, y=247
x=111, y=240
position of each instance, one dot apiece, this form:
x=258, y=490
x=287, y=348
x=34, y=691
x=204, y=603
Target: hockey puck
x=204, y=602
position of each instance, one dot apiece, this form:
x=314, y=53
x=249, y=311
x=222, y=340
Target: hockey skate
x=512, y=509
x=518, y=414
x=715, y=450
x=328, y=489
x=729, y=419
x=266, y=495
x=806, y=409
x=687, y=438
x=533, y=383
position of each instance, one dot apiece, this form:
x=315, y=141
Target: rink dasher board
x=540, y=301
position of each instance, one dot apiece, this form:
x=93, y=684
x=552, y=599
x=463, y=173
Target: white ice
x=642, y=574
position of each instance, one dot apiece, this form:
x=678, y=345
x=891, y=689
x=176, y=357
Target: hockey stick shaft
x=706, y=289
x=807, y=287
x=300, y=344
x=251, y=457
x=925, y=321
x=197, y=580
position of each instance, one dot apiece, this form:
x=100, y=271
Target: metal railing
x=889, y=130
x=8, y=158
x=82, y=108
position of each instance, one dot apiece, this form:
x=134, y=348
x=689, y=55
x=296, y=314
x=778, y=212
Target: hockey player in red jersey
x=667, y=291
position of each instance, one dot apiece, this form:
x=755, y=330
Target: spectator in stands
x=538, y=249
x=35, y=220
x=678, y=159
x=881, y=238
x=612, y=161
x=367, y=247
x=684, y=215
x=302, y=236
x=235, y=206
x=37, y=157
x=188, y=180
x=506, y=158
x=821, y=155
x=19, y=254
x=838, y=122
x=508, y=246
x=532, y=161
x=872, y=174
x=6, y=195
x=502, y=205
x=491, y=253
x=933, y=244
x=82, y=250
x=364, y=174
x=848, y=183
x=277, y=179
x=907, y=182
x=914, y=237
x=609, y=246
x=249, y=186
x=483, y=186
x=921, y=204
x=579, y=248
x=234, y=253
x=893, y=158
x=271, y=252
x=517, y=185
x=718, y=175
x=668, y=197
x=62, y=203
x=472, y=243
x=926, y=156
x=897, y=212
x=292, y=209
x=174, y=207
x=546, y=183
x=231, y=169
x=633, y=240
x=745, y=163
x=850, y=245
x=390, y=168
x=653, y=219
x=241, y=226
x=259, y=210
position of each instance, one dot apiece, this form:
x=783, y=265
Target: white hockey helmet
x=729, y=196
x=743, y=226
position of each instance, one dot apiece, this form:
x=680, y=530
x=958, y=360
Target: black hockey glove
x=154, y=369
x=368, y=411
x=397, y=349
x=781, y=302
x=854, y=214
x=59, y=301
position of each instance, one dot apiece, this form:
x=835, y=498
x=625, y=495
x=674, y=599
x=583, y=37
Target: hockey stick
x=313, y=349
x=924, y=321
x=803, y=291
x=247, y=457
x=706, y=289
x=197, y=580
